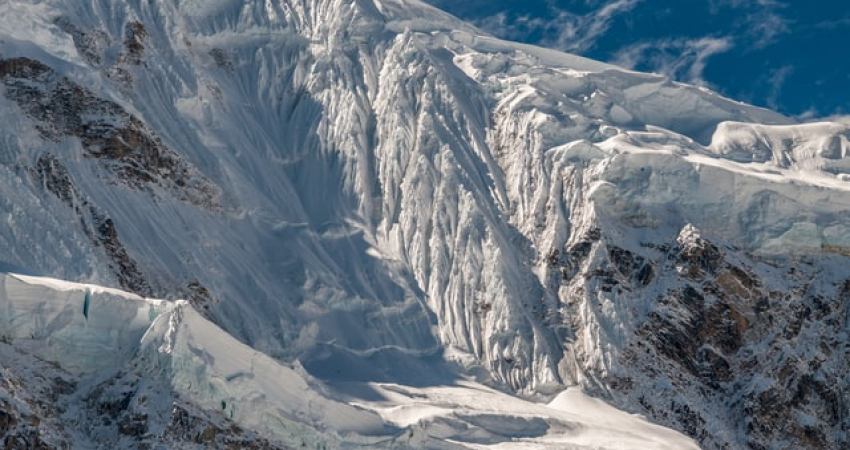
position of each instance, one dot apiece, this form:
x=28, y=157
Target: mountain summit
x=373, y=211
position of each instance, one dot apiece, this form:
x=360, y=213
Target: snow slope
x=90, y=331
x=96, y=333
x=381, y=193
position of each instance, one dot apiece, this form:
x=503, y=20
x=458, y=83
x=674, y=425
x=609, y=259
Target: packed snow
x=386, y=193
x=170, y=342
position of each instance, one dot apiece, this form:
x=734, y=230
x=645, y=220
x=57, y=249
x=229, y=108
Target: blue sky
x=787, y=55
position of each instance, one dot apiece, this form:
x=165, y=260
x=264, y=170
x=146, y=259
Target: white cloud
x=761, y=21
x=765, y=26
x=756, y=24
x=776, y=81
x=833, y=24
x=498, y=25
x=716, y=4
x=811, y=115
x=680, y=58
x=583, y=31
x=562, y=29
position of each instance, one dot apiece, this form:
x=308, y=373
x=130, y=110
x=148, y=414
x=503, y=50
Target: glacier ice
x=172, y=344
x=390, y=191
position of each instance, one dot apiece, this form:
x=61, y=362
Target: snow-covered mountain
x=373, y=210
x=92, y=367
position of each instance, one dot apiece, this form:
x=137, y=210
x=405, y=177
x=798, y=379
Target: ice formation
x=371, y=191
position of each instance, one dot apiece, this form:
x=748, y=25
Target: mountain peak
x=378, y=201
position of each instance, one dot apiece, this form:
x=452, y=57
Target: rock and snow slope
x=131, y=372
x=383, y=194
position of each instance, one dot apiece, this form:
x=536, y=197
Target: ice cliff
x=378, y=192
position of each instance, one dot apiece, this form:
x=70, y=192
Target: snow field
x=172, y=342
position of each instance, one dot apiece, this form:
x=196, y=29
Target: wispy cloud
x=679, y=58
x=500, y=25
x=761, y=21
x=765, y=26
x=776, y=80
x=583, y=31
x=561, y=29
x=682, y=59
x=833, y=24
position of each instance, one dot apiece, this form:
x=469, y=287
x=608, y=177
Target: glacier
x=371, y=191
x=127, y=338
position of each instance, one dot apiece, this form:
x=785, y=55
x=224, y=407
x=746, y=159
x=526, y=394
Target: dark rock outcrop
x=725, y=342
x=118, y=140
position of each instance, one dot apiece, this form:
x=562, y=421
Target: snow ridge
x=130, y=358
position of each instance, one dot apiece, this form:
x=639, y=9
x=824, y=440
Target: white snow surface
x=387, y=184
x=170, y=342
x=479, y=417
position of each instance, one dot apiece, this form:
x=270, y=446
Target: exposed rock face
x=123, y=146
x=48, y=408
x=188, y=427
x=107, y=132
x=100, y=229
x=127, y=404
x=726, y=344
x=30, y=406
